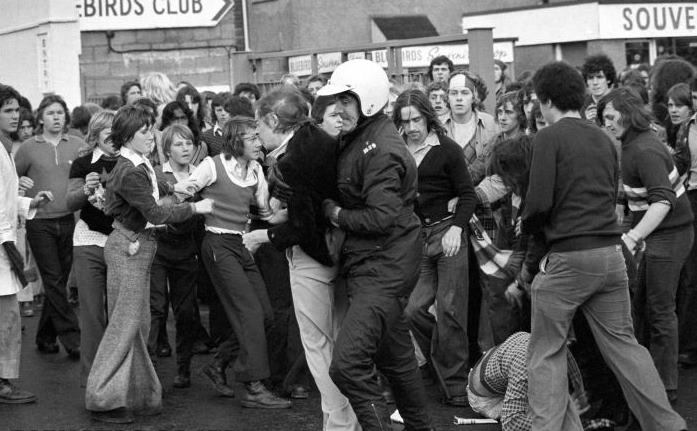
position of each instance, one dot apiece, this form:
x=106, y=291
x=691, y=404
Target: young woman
x=191, y=98
x=679, y=103
x=46, y=160
x=88, y=176
x=235, y=179
x=122, y=379
x=325, y=116
x=662, y=223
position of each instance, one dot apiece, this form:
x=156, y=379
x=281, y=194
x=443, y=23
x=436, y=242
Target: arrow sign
x=99, y=15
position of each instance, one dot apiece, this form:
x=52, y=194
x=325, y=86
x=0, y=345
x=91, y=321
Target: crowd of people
x=363, y=237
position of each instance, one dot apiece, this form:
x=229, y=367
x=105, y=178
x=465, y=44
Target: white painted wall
x=23, y=60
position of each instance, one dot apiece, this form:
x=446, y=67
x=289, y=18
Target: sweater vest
x=231, y=202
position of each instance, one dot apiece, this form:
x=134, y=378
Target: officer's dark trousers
x=374, y=332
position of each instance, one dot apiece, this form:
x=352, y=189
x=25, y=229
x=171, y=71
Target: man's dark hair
x=218, y=100
x=127, y=86
x=81, y=117
x=561, y=84
x=247, y=87
x=238, y=106
x=112, y=103
x=320, y=107
x=435, y=86
x=127, y=121
x=511, y=160
x=45, y=103
x=680, y=93
x=418, y=100
x=631, y=108
x=8, y=93
x=233, y=144
x=196, y=98
x=666, y=73
x=168, y=118
x=440, y=60
x=599, y=63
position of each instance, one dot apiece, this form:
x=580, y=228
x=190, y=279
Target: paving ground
x=55, y=380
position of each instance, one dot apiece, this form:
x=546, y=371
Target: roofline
x=569, y=3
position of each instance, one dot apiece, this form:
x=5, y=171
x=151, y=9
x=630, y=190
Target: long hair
x=99, y=121
x=630, y=106
x=195, y=98
x=233, y=144
x=511, y=160
x=515, y=98
x=418, y=100
x=168, y=118
x=45, y=103
x=158, y=87
x=681, y=95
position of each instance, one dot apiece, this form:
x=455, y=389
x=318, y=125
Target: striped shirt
x=649, y=176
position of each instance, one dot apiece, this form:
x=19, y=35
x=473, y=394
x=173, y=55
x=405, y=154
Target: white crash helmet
x=365, y=79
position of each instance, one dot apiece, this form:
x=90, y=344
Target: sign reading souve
x=582, y=21
x=99, y=15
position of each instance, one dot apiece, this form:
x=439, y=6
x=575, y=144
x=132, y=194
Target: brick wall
x=205, y=64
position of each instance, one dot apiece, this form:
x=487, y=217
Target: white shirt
x=463, y=133
x=205, y=174
x=420, y=152
x=12, y=206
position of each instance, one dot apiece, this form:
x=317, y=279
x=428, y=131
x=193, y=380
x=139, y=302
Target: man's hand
x=591, y=112
x=254, y=239
x=183, y=189
x=41, y=199
x=92, y=180
x=452, y=204
x=514, y=295
x=331, y=211
x=204, y=206
x=25, y=184
x=451, y=241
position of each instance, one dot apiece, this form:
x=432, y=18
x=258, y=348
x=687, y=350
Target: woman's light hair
x=99, y=121
x=159, y=88
x=487, y=406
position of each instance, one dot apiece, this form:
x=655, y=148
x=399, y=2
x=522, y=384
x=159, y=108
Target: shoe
x=216, y=374
x=457, y=401
x=116, y=416
x=200, y=348
x=11, y=394
x=299, y=392
x=164, y=351
x=47, y=347
x=25, y=309
x=74, y=353
x=687, y=360
x=256, y=396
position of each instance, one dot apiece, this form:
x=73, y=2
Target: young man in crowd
x=574, y=215
x=599, y=74
x=440, y=69
x=437, y=93
x=12, y=277
x=46, y=160
x=225, y=107
x=247, y=90
x=443, y=281
x=380, y=258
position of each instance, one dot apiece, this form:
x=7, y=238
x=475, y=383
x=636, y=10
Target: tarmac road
x=55, y=380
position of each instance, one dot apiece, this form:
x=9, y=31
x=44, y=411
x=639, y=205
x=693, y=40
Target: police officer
x=381, y=252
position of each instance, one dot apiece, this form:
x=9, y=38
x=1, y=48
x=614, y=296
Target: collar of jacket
x=363, y=123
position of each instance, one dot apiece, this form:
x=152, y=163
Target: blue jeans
x=654, y=302
x=594, y=281
x=51, y=241
x=443, y=280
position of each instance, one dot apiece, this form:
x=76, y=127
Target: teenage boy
x=440, y=69
x=570, y=205
x=599, y=74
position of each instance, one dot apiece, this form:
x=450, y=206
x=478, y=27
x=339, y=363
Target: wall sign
x=421, y=56
x=98, y=15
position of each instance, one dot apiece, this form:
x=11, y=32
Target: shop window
x=685, y=47
x=637, y=52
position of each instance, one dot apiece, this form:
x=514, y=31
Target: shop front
x=630, y=33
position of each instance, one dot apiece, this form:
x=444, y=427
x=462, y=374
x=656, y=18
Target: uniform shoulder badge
x=369, y=146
